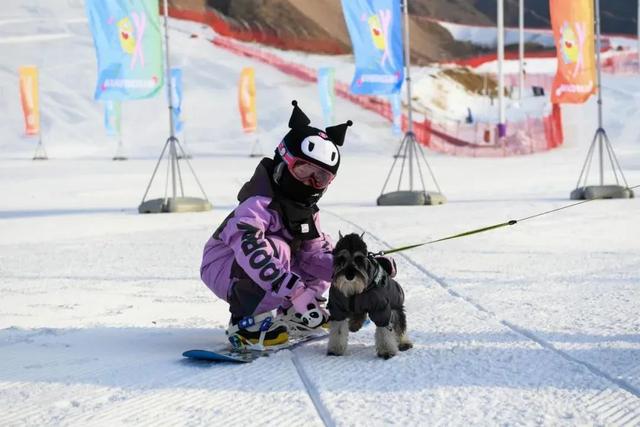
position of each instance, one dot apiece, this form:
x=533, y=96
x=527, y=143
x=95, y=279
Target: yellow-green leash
x=483, y=229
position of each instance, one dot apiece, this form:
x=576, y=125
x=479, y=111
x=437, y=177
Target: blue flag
x=396, y=112
x=112, y=117
x=128, y=42
x=326, y=87
x=176, y=97
x=376, y=35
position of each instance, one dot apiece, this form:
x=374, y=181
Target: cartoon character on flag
x=379, y=27
x=573, y=24
x=129, y=37
x=572, y=44
x=375, y=30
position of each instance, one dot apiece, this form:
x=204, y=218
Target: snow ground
x=532, y=324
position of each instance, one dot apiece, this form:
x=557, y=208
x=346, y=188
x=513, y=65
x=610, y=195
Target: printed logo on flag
x=127, y=37
x=376, y=35
x=573, y=31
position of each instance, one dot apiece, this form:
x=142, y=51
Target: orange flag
x=573, y=30
x=247, y=100
x=30, y=99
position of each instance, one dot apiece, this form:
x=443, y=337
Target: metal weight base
x=175, y=205
x=411, y=198
x=40, y=153
x=590, y=192
x=119, y=158
x=408, y=152
x=602, y=192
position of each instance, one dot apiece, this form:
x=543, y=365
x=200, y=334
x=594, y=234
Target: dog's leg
x=400, y=328
x=386, y=342
x=338, y=337
x=356, y=321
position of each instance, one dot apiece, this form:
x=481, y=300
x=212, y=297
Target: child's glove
x=307, y=309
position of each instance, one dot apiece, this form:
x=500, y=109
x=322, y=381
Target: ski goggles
x=306, y=172
x=310, y=174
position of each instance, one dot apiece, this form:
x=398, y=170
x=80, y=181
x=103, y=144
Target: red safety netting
x=477, y=139
x=625, y=62
x=248, y=32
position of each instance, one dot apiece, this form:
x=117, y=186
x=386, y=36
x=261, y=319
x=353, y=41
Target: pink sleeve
x=315, y=258
x=244, y=233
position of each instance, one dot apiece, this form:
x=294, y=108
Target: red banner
x=573, y=30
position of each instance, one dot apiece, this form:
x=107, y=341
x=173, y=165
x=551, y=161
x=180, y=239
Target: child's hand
x=308, y=310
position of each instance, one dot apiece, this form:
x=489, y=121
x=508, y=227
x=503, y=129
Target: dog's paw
x=336, y=349
x=405, y=345
x=386, y=355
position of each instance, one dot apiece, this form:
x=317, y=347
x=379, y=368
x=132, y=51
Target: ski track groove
x=618, y=399
x=312, y=391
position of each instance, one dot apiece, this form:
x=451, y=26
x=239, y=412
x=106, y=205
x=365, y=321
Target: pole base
x=602, y=192
x=411, y=198
x=39, y=157
x=119, y=158
x=175, y=205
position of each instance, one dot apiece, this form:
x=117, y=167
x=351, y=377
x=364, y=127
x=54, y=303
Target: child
x=270, y=253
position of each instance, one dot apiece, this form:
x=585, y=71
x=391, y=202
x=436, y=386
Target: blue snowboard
x=228, y=356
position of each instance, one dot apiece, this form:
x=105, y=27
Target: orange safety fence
x=535, y=134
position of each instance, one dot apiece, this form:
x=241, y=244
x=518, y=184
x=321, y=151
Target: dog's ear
x=362, y=235
x=340, y=236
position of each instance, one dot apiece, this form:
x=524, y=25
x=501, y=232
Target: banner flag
x=30, y=99
x=176, y=98
x=326, y=87
x=113, y=117
x=127, y=37
x=375, y=28
x=247, y=100
x=573, y=30
x=396, y=113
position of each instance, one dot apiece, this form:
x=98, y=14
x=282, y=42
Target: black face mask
x=293, y=189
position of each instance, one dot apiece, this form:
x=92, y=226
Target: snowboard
x=225, y=355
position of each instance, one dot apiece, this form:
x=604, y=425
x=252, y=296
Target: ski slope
x=531, y=324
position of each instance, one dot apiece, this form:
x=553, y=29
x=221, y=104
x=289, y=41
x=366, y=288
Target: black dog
x=362, y=284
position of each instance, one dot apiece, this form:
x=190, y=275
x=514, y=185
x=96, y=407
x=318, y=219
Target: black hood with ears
x=312, y=144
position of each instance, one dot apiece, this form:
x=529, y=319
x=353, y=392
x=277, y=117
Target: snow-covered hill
x=532, y=324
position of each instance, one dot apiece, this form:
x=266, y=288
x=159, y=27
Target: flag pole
x=599, y=68
x=410, y=148
x=617, y=191
x=172, y=129
x=501, y=101
x=174, y=203
x=521, y=49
